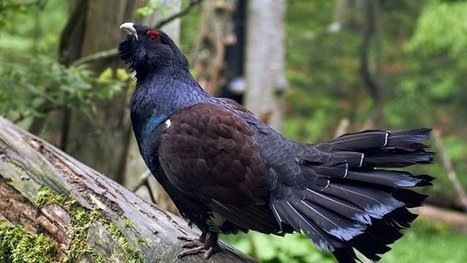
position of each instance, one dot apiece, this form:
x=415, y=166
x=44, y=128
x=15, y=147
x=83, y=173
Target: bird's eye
x=153, y=34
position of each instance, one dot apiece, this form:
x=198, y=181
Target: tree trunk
x=371, y=71
x=88, y=217
x=101, y=141
x=105, y=141
x=264, y=67
x=216, y=32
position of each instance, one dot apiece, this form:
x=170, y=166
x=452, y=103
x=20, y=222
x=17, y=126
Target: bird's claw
x=187, y=238
x=199, y=245
x=191, y=242
x=208, y=252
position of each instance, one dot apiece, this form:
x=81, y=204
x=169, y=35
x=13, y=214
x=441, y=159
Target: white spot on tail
x=386, y=138
x=361, y=160
x=346, y=171
x=167, y=123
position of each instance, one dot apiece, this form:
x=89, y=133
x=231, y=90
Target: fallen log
x=454, y=218
x=57, y=209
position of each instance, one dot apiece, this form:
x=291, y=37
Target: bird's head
x=147, y=49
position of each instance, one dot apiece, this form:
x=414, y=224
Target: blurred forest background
x=313, y=69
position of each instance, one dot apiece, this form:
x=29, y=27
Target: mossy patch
x=81, y=220
x=45, y=196
x=131, y=254
x=18, y=245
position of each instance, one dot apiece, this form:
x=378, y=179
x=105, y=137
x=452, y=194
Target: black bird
x=227, y=171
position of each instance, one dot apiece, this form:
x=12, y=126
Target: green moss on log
x=18, y=245
x=45, y=196
x=81, y=220
x=132, y=255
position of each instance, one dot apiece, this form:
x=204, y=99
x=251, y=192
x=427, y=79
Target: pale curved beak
x=129, y=28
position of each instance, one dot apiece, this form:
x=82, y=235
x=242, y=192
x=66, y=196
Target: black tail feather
x=345, y=254
x=338, y=205
x=361, y=140
x=407, y=140
x=374, y=202
x=400, y=179
x=410, y=139
x=347, y=197
x=308, y=227
x=409, y=198
x=394, y=158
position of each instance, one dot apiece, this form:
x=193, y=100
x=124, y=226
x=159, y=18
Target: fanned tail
x=346, y=195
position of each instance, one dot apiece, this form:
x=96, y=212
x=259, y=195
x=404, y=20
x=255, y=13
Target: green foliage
x=322, y=72
x=429, y=241
x=323, y=68
x=18, y=245
x=190, y=30
x=426, y=241
x=437, y=65
x=43, y=85
x=32, y=82
x=431, y=36
x=424, y=69
x=153, y=6
x=432, y=89
x=9, y=8
x=269, y=248
x=160, y=6
x=31, y=27
x=456, y=149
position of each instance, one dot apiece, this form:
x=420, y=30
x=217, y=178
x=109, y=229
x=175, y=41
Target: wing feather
x=210, y=153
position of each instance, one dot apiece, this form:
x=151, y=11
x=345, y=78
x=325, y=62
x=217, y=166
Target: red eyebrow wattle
x=153, y=33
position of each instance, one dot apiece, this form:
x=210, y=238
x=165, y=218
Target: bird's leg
x=192, y=242
x=207, y=243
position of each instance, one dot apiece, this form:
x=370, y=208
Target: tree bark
x=372, y=76
x=100, y=141
x=264, y=68
x=46, y=191
x=215, y=34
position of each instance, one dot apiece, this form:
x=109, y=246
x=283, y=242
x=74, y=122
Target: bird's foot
x=206, y=244
x=208, y=252
x=192, y=242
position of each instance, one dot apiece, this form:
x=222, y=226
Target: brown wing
x=209, y=153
